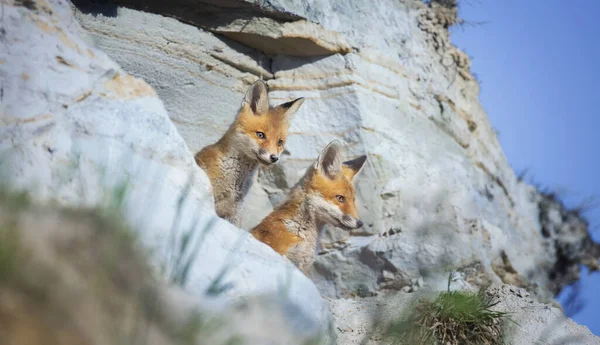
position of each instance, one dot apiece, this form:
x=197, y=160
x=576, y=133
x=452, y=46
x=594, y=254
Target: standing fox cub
x=325, y=195
x=256, y=137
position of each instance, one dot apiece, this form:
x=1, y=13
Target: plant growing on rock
x=453, y=317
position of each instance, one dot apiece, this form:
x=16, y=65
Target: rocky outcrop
x=565, y=233
x=78, y=130
x=257, y=25
x=437, y=194
x=362, y=321
x=79, y=276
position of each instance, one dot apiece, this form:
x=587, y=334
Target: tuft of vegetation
x=184, y=245
x=186, y=251
x=9, y=252
x=452, y=318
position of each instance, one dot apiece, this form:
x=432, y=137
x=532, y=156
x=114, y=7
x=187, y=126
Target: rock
x=566, y=237
x=76, y=129
x=437, y=196
x=363, y=321
x=61, y=266
x=254, y=25
x=537, y=322
x=405, y=97
x=299, y=38
x=387, y=275
x=357, y=319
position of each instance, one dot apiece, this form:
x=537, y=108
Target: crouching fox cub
x=256, y=137
x=325, y=195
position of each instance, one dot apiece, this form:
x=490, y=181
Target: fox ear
x=291, y=107
x=257, y=98
x=353, y=166
x=330, y=160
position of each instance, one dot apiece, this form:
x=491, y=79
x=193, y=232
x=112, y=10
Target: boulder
x=78, y=130
x=59, y=266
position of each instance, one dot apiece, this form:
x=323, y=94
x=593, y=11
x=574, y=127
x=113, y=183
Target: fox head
x=330, y=189
x=261, y=130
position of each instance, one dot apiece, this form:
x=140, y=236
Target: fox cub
x=256, y=137
x=324, y=195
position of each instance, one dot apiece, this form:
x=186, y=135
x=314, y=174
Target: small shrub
x=453, y=317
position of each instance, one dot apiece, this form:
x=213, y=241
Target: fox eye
x=280, y=142
x=260, y=135
x=340, y=199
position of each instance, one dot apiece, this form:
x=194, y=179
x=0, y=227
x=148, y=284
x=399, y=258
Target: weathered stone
x=363, y=321
x=566, y=237
x=75, y=127
x=534, y=322
x=254, y=25
x=299, y=38
x=61, y=266
x=437, y=193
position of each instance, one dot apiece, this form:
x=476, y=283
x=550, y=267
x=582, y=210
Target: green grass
x=10, y=241
x=9, y=252
x=13, y=200
x=453, y=317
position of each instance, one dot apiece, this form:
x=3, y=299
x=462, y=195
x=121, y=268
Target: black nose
x=274, y=158
x=359, y=224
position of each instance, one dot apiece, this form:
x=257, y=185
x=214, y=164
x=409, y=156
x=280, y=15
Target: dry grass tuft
x=452, y=318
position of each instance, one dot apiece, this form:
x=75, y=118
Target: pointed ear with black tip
x=329, y=162
x=353, y=166
x=257, y=98
x=291, y=107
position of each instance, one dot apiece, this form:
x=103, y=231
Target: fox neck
x=235, y=150
x=305, y=222
x=239, y=168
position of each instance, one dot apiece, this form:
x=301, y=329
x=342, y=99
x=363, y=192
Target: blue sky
x=538, y=66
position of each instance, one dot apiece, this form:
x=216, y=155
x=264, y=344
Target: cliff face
x=382, y=76
x=79, y=131
x=437, y=195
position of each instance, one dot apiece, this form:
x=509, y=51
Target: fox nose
x=274, y=158
x=359, y=224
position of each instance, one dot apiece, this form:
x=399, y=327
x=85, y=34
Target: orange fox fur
x=257, y=136
x=325, y=195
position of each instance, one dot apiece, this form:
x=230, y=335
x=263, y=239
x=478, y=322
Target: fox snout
x=351, y=223
x=267, y=157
